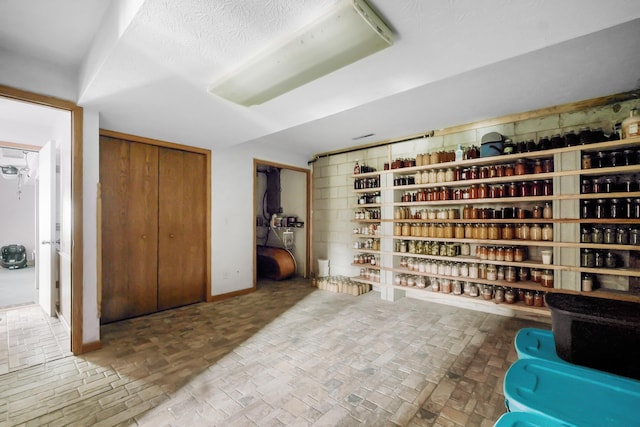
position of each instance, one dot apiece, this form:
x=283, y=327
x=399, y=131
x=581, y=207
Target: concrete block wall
x=334, y=201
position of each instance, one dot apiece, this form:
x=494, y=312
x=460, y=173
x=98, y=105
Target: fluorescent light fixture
x=349, y=32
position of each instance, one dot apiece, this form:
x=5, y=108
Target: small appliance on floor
x=13, y=256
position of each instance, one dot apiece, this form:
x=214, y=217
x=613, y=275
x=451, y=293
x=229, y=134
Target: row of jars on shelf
x=611, y=158
x=492, y=231
x=370, y=274
x=595, y=258
x=618, y=208
x=479, y=271
x=502, y=253
x=364, y=183
x=436, y=176
x=367, y=214
x=472, y=212
x=610, y=235
x=498, y=294
x=366, y=259
x=368, y=198
x=371, y=244
x=371, y=230
x=609, y=184
x=481, y=191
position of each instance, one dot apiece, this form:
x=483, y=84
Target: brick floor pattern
x=285, y=355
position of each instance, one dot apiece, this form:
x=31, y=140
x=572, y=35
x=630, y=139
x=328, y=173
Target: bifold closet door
x=182, y=228
x=129, y=184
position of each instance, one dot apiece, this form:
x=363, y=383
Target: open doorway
x=28, y=122
x=282, y=212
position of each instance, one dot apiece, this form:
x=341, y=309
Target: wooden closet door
x=129, y=184
x=182, y=228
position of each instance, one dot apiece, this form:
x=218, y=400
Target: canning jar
x=547, y=187
x=523, y=274
x=511, y=190
x=598, y=258
x=525, y=232
x=622, y=236
x=508, y=232
x=494, y=232
x=585, y=234
x=538, y=299
x=609, y=235
x=547, y=232
x=491, y=272
x=519, y=254
x=499, y=294
x=459, y=231
x=536, y=212
x=483, y=191
x=487, y=292
x=445, y=286
x=528, y=297
x=465, y=249
x=536, y=188
x=473, y=271
x=536, y=275
x=509, y=296
x=587, y=209
x=547, y=211
x=500, y=253
x=634, y=236
x=509, y=254
x=587, y=258
x=587, y=282
x=491, y=253
x=586, y=186
x=586, y=161
x=617, y=209
x=509, y=169
x=510, y=274
x=610, y=260
x=536, y=232
x=602, y=209
x=520, y=167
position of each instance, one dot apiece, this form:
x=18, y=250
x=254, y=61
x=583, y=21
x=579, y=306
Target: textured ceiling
x=147, y=65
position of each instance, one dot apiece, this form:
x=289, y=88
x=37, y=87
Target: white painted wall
x=90, y=177
x=17, y=217
x=232, y=216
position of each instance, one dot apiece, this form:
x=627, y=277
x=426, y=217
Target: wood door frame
x=172, y=145
x=77, y=345
x=307, y=172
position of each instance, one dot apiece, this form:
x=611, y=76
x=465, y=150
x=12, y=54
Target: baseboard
x=91, y=346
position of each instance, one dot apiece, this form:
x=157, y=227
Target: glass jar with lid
x=494, y=232
x=500, y=253
x=492, y=272
x=536, y=232
x=597, y=235
x=509, y=296
x=498, y=295
x=587, y=258
x=519, y=254
x=510, y=274
x=491, y=253
x=585, y=234
x=538, y=299
x=525, y=232
x=547, y=232
x=599, y=258
x=465, y=249
x=546, y=278
x=609, y=235
x=520, y=167
x=547, y=211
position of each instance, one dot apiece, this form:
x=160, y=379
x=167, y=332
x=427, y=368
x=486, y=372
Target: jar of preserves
x=602, y=209
x=536, y=232
x=538, y=299
x=483, y=191
x=536, y=275
x=546, y=278
x=509, y=296
x=536, y=188
x=484, y=172
x=587, y=258
x=465, y=249
x=487, y=292
x=525, y=232
x=498, y=295
x=528, y=297
x=525, y=189
x=585, y=234
x=587, y=282
x=587, y=209
x=445, y=286
x=482, y=271
x=473, y=290
x=547, y=187
x=609, y=235
x=510, y=274
x=599, y=258
x=511, y=190
x=586, y=161
x=523, y=274
x=459, y=231
x=494, y=232
x=509, y=254
x=508, y=232
x=519, y=254
x=464, y=269
x=547, y=211
x=634, y=236
x=492, y=272
x=482, y=252
x=448, y=231
x=473, y=173
x=520, y=167
x=617, y=209
x=473, y=271
x=586, y=186
x=491, y=253
x=509, y=169
x=499, y=170
x=483, y=232
x=547, y=232
x=610, y=260
x=622, y=236
x=500, y=253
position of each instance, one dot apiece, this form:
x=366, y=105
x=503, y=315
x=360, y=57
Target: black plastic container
x=598, y=333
